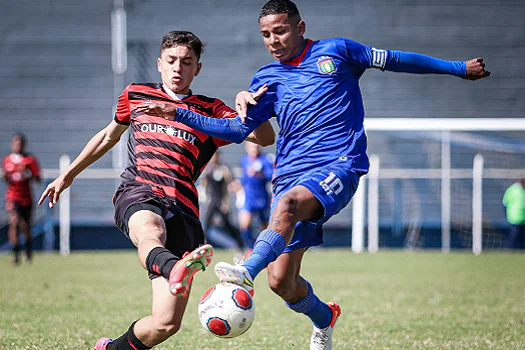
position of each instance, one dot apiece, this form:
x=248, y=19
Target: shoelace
x=321, y=338
x=239, y=261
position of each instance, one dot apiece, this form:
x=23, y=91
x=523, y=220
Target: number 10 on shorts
x=332, y=184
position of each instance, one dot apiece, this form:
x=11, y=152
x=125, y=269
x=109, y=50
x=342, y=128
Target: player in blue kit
x=313, y=90
x=257, y=169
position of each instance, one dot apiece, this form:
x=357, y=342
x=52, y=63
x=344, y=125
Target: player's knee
x=287, y=205
x=146, y=227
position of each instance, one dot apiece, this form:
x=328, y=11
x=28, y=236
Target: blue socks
x=313, y=307
x=268, y=246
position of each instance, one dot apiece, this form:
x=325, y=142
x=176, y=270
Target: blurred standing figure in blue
x=514, y=202
x=257, y=169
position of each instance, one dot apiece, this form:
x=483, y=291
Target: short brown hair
x=177, y=37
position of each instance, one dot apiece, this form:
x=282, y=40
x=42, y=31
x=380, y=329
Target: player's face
x=17, y=145
x=178, y=66
x=283, y=37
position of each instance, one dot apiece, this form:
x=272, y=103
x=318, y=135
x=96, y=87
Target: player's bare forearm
x=99, y=144
x=264, y=135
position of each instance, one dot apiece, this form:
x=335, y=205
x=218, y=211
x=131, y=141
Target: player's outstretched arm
x=410, y=62
x=230, y=129
x=102, y=142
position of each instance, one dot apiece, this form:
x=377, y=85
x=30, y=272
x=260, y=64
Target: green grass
x=392, y=300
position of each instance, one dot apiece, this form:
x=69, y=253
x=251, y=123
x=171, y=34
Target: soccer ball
x=226, y=310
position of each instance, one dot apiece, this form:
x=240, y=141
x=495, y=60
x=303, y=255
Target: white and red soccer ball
x=226, y=310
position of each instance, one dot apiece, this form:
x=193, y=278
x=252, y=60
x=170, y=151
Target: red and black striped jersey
x=166, y=154
x=19, y=170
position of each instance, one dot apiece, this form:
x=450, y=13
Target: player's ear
x=158, y=64
x=301, y=28
x=198, y=70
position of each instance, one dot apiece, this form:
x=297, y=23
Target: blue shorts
x=333, y=186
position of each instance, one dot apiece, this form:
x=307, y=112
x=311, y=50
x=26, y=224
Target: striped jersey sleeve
x=123, y=110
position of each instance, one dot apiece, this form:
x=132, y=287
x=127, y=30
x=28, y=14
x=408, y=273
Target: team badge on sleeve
x=326, y=65
x=378, y=58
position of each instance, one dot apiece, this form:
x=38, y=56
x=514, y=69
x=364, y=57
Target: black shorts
x=23, y=211
x=183, y=230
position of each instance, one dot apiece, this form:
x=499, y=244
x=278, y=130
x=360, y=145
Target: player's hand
x=245, y=98
x=54, y=189
x=476, y=69
x=158, y=109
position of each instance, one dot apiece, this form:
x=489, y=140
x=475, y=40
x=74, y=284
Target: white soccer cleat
x=322, y=338
x=236, y=274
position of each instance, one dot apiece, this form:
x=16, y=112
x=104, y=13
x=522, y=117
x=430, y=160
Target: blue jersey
x=256, y=174
x=318, y=105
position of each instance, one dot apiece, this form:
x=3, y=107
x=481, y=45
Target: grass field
x=392, y=300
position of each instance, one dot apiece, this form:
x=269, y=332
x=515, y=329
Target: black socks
x=127, y=341
x=160, y=261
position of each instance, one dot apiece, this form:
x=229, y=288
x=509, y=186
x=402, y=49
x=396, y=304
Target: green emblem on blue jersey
x=326, y=65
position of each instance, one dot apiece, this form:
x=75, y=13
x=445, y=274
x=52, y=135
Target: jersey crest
x=326, y=65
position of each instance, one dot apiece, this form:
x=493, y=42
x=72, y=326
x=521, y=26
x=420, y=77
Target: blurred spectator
x=20, y=169
x=257, y=169
x=216, y=180
x=514, y=202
